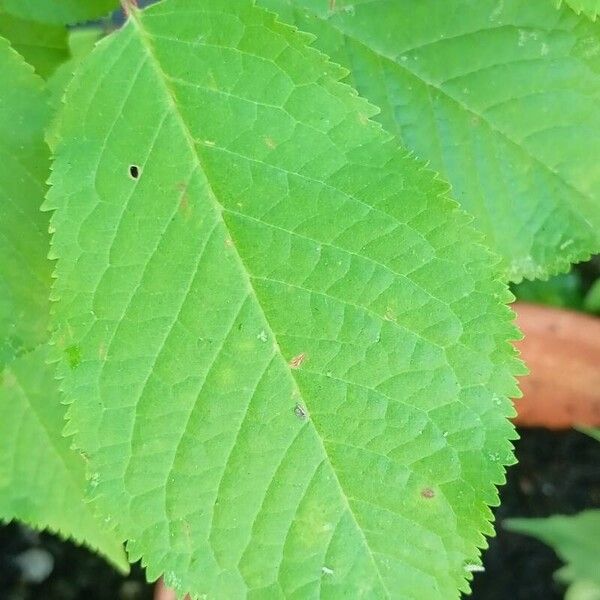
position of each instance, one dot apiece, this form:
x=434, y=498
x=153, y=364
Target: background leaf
x=500, y=96
x=43, y=46
x=25, y=272
x=42, y=481
x=284, y=346
x=59, y=11
x=81, y=43
x=592, y=298
x=590, y=8
x=591, y=431
x=564, y=291
x=576, y=539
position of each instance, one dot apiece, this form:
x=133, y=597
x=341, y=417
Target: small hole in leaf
x=134, y=172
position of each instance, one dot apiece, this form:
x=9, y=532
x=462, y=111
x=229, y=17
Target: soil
x=557, y=473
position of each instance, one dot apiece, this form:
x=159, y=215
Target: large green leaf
x=576, y=539
x=42, y=481
x=285, y=348
x=59, y=11
x=43, y=46
x=501, y=96
x=81, y=43
x=25, y=272
x=590, y=8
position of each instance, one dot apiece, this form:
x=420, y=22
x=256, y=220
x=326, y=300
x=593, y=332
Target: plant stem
x=128, y=6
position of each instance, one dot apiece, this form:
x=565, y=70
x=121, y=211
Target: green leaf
x=590, y=8
x=25, y=273
x=42, y=481
x=59, y=12
x=81, y=43
x=591, y=301
x=583, y=590
x=501, y=96
x=284, y=348
x=83, y=40
x=43, y=46
x=576, y=539
x=564, y=291
x=593, y=432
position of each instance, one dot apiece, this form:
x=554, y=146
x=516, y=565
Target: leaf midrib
x=171, y=99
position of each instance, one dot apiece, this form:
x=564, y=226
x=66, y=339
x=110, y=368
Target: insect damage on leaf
x=300, y=412
x=298, y=361
x=427, y=493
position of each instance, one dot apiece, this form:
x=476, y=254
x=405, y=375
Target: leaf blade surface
x=575, y=540
x=263, y=291
x=25, y=164
x=42, y=481
x=59, y=12
x=499, y=97
x=43, y=46
x=590, y=8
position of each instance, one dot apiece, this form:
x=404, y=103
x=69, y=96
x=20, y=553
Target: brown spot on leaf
x=134, y=172
x=184, y=206
x=184, y=203
x=427, y=493
x=297, y=361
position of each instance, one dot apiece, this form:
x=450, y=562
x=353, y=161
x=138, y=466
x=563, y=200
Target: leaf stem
x=129, y=6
